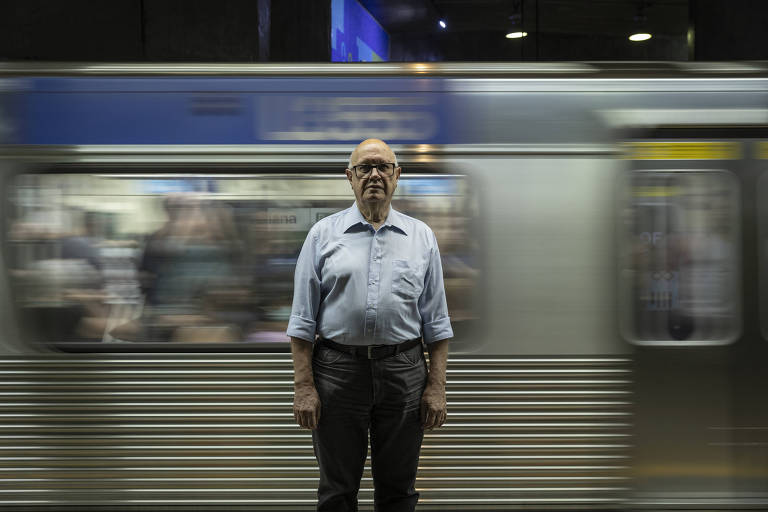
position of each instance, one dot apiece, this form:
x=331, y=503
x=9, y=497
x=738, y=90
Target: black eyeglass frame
x=378, y=166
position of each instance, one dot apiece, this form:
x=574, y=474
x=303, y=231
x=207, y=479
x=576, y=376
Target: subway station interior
x=594, y=173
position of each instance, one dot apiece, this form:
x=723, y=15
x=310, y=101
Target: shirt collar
x=353, y=218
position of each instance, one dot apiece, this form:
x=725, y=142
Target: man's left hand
x=433, y=406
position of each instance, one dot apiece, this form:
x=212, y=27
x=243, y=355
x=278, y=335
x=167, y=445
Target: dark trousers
x=382, y=396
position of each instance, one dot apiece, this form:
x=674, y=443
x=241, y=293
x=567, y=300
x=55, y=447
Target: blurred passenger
x=228, y=296
x=60, y=281
x=84, y=246
x=187, y=266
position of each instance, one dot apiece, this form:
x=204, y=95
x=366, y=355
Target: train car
x=603, y=231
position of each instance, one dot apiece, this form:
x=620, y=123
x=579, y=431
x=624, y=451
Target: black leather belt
x=370, y=351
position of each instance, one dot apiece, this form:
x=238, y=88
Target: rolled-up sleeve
x=433, y=308
x=306, y=292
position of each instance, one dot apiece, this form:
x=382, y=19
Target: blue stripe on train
x=224, y=110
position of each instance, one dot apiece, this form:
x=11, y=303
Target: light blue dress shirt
x=359, y=286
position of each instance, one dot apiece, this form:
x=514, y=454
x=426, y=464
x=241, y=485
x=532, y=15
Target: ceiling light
x=516, y=35
x=442, y=23
x=642, y=36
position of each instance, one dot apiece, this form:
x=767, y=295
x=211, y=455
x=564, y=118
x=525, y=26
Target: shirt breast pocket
x=407, y=282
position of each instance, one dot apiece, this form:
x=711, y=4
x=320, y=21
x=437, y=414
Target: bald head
x=373, y=189
x=370, y=144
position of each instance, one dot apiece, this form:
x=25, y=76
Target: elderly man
x=369, y=285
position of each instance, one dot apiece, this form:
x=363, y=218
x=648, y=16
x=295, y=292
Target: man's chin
x=374, y=198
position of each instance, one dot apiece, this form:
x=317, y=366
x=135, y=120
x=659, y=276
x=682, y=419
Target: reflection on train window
x=136, y=259
x=680, y=270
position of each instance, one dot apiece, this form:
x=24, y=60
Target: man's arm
x=435, y=329
x=301, y=328
x=434, y=408
x=306, y=401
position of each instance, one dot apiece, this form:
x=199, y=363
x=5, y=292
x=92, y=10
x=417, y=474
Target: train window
x=193, y=261
x=679, y=267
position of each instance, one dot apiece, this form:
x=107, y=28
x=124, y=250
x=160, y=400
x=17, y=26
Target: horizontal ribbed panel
x=218, y=431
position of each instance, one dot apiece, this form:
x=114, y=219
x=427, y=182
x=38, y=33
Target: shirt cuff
x=437, y=330
x=302, y=328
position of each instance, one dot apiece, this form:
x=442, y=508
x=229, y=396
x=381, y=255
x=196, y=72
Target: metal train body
x=568, y=387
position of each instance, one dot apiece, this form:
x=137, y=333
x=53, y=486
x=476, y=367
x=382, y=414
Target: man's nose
x=375, y=170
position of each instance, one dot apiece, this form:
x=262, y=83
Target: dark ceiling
x=476, y=28
x=266, y=30
x=608, y=17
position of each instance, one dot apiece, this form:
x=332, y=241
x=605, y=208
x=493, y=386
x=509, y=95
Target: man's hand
x=433, y=405
x=434, y=408
x=306, y=401
x=306, y=406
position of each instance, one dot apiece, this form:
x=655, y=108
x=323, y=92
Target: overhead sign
x=356, y=36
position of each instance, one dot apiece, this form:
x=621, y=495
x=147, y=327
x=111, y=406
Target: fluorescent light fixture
x=442, y=23
x=642, y=36
x=516, y=35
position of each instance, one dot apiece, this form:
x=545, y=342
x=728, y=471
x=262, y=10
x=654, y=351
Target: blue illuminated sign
x=356, y=36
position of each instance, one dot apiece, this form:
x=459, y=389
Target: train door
x=687, y=278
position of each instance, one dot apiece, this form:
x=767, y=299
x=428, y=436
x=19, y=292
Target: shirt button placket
x=374, y=274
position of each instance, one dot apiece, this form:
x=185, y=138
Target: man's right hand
x=306, y=406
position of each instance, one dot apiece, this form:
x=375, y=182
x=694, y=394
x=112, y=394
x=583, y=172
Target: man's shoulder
x=328, y=224
x=414, y=225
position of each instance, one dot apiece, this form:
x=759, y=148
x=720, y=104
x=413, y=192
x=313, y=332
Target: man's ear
x=349, y=175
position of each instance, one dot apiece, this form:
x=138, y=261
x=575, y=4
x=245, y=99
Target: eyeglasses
x=365, y=170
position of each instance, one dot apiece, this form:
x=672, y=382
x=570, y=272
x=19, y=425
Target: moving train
x=604, y=244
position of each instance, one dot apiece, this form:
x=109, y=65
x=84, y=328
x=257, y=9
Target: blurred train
x=604, y=234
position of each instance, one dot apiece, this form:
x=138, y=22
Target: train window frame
x=267, y=170
x=625, y=282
